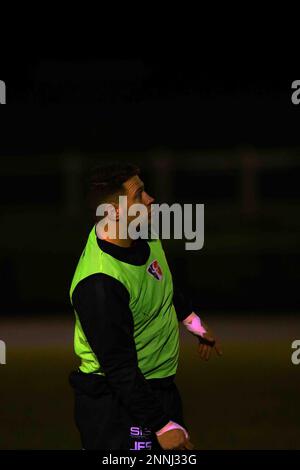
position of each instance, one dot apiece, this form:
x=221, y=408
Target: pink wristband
x=169, y=426
x=194, y=325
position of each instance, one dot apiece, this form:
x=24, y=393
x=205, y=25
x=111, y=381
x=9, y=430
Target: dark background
x=230, y=143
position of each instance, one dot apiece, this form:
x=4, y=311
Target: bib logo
x=2, y=92
x=155, y=270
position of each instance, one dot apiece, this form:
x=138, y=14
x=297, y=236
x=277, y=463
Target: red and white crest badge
x=155, y=270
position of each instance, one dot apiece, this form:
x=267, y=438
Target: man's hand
x=174, y=439
x=207, y=343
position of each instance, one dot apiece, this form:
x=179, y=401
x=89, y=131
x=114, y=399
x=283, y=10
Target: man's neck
x=123, y=243
x=127, y=243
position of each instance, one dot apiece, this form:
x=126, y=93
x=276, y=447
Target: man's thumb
x=189, y=445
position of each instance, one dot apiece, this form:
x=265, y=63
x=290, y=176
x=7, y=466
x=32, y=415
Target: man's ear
x=113, y=211
x=117, y=212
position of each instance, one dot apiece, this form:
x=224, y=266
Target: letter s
x=296, y=354
x=134, y=431
x=296, y=94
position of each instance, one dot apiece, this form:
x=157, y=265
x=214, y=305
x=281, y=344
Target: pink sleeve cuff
x=194, y=325
x=169, y=426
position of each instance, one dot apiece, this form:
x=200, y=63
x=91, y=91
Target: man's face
x=136, y=194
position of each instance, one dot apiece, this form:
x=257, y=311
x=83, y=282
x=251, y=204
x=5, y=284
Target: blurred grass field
x=247, y=399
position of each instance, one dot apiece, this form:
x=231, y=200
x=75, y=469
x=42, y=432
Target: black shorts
x=104, y=423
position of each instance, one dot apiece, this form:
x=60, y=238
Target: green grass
x=248, y=399
x=36, y=406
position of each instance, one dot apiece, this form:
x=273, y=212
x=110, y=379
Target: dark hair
x=107, y=181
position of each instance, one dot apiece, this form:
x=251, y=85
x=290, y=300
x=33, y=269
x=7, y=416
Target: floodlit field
x=248, y=399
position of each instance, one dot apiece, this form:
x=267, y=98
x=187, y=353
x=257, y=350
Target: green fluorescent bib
x=150, y=287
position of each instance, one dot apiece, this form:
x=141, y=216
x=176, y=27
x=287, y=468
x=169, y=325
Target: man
x=126, y=330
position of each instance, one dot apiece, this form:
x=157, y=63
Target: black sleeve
x=102, y=305
x=182, y=303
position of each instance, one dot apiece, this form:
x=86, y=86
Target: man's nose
x=148, y=199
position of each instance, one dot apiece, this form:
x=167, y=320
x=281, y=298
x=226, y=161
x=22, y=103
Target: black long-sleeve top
x=102, y=305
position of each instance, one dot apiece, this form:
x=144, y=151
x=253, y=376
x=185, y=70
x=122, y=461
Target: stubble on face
x=132, y=185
